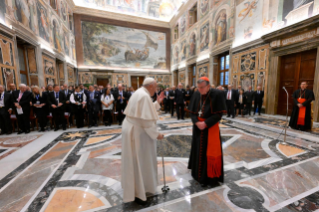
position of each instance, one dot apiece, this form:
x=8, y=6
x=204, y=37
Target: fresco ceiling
x=162, y=10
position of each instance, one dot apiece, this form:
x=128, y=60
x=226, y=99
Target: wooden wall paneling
x=202, y=70
x=32, y=60
x=71, y=75
x=34, y=80
x=8, y=71
x=61, y=71
x=49, y=70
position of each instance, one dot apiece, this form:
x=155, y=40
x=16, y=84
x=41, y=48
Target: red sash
x=302, y=113
x=214, y=153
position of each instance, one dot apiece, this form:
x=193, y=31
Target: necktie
x=20, y=96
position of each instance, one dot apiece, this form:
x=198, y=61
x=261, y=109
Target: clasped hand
x=201, y=125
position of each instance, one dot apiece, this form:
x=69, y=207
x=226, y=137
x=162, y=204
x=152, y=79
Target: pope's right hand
x=160, y=137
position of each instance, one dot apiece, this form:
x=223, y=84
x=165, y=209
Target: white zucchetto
x=148, y=81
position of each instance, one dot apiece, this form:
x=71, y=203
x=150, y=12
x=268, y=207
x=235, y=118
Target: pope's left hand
x=160, y=98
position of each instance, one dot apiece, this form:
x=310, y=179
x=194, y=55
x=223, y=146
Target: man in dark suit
x=12, y=88
x=130, y=93
x=21, y=99
x=93, y=104
x=68, y=105
x=166, y=100
x=56, y=100
x=258, y=99
x=172, y=99
x=5, y=111
x=121, y=101
x=231, y=97
x=249, y=96
x=180, y=101
x=188, y=94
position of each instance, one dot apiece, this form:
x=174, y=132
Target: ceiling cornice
x=184, y=7
x=71, y=4
x=120, y=17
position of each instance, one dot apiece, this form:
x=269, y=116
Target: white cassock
x=139, y=149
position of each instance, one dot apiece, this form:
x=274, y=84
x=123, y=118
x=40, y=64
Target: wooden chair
x=114, y=112
x=66, y=116
x=50, y=117
x=14, y=121
x=33, y=119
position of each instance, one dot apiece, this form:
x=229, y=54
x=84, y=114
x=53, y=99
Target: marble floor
x=80, y=170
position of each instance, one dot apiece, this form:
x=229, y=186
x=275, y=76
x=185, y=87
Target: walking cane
x=165, y=187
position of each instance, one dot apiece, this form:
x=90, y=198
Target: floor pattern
x=281, y=123
x=80, y=171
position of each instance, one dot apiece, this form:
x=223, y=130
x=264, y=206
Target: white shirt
x=107, y=100
x=229, y=95
x=2, y=100
x=72, y=100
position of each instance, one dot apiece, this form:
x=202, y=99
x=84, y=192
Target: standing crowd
x=61, y=105
x=238, y=101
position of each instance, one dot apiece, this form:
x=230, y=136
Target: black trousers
x=107, y=118
x=41, y=116
x=249, y=106
x=230, y=108
x=167, y=106
x=120, y=115
x=5, y=122
x=79, y=115
x=171, y=102
x=93, y=116
x=58, y=116
x=180, y=115
x=259, y=106
x=24, y=120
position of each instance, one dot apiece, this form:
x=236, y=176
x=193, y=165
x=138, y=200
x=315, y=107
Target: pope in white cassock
x=139, y=148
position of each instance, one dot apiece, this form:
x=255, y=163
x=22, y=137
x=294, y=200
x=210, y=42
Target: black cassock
x=214, y=108
x=309, y=96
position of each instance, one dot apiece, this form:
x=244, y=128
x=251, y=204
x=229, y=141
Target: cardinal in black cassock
x=301, y=114
x=206, y=107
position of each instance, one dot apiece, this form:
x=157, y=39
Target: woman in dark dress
x=39, y=101
x=241, y=103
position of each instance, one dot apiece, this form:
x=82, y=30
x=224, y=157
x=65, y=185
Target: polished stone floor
x=80, y=170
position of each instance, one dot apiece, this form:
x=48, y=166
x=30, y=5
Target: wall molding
x=119, y=16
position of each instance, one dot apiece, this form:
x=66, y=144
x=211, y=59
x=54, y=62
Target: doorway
x=103, y=82
x=137, y=81
x=192, y=75
x=295, y=68
x=176, y=78
x=23, y=65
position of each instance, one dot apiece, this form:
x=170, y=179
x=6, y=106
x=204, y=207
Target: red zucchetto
x=204, y=78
